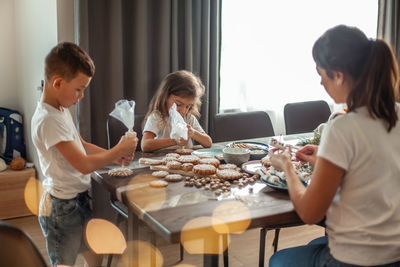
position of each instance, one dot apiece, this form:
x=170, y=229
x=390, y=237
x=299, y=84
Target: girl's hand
x=308, y=153
x=182, y=142
x=190, y=131
x=281, y=159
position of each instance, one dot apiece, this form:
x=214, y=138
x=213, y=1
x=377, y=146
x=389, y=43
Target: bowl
x=257, y=153
x=236, y=155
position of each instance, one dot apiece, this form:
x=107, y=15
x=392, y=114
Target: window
x=266, y=58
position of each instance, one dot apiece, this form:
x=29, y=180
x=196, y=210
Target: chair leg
x=226, y=256
x=180, y=252
x=263, y=233
x=110, y=256
x=276, y=238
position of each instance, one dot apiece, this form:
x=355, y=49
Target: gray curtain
x=389, y=24
x=135, y=43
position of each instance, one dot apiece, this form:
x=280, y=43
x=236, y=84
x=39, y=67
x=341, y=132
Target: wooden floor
x=243, y=248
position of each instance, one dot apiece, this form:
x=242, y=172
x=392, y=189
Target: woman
x=356, y=175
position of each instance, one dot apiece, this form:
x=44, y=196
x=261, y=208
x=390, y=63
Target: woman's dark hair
x=370, y=63
x=181, y=83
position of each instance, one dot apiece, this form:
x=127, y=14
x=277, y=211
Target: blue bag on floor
x=12, y=143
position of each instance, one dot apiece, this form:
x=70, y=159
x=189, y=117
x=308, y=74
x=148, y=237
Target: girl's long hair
x=370, y=63
x=181, y=83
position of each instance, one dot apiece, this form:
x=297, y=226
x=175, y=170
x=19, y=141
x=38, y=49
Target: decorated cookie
x=173, y=178
x=204, y=169
x=184, y=151
x=158, y=183
x=211, y=161
x=121, y=172
x=160, y=174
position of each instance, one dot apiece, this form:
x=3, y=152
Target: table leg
x=210, y=260
x=133, y=235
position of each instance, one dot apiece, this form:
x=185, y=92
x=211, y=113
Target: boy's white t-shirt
x=363, y=221
x=162, y=128
x=49, y=127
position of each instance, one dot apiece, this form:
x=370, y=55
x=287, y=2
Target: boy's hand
x=127, y=146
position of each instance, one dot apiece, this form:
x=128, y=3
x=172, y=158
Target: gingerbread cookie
x=174, y=165
x=187, y=167
x=184, y=151
x=229, y=174
x=189, y=159
x=204, y=169
x=158, y=183
x=150, y=161
x=211, y=161
x=173, y=178
x=160, y=174
x=227, y=166
x=172, y=155
x=121, y=172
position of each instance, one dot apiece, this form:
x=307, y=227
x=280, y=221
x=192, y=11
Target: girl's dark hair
x=370, y=63
x=67, y=59
x=181, y=83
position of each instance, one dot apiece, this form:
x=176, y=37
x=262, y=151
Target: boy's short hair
x=67, y=59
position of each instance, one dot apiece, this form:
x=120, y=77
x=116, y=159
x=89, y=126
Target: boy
x=65, y=158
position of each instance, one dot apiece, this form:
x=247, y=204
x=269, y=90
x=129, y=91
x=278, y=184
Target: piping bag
x=125, y=112
x=178, y=124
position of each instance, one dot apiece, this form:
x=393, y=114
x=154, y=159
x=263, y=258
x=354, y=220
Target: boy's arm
x=91, y=162
x=91, y=148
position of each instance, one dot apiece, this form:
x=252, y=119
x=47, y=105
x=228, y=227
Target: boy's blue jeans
x=63, y=222
x=316, y=253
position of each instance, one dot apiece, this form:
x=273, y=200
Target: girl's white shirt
x=161, y=127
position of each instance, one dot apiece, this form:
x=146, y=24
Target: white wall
x=35, y=26
x=8, y=81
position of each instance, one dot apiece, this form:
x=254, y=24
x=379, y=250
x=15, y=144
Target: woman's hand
x=281, y=159
x=308, y=153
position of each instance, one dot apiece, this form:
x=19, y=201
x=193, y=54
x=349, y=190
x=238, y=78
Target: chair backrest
x=302, y=117
x=242, y=125
x=17, y=249
x=116, y=129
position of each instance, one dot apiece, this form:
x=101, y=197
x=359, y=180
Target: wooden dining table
x=169, y=210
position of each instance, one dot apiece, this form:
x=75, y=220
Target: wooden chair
x=241, y=125
x=115, y=129
x=302, y=117
x=245, y=125
x=17, y=248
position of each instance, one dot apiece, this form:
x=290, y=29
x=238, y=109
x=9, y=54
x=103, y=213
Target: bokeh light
x=32, y=195
x=104, y=237
x=145, y=197
x=198, y=236
x=234, y=214
x=148, y=255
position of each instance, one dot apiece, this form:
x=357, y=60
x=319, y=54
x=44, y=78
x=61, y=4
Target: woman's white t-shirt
x=49, y=127
x=363, y=221
x=161, y=127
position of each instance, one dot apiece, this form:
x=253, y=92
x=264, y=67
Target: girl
x=356, y=175
x=185, y=90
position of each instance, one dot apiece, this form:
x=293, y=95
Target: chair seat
x=302, y=117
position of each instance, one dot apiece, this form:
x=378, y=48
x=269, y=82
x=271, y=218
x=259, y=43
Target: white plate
x=252, y=166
